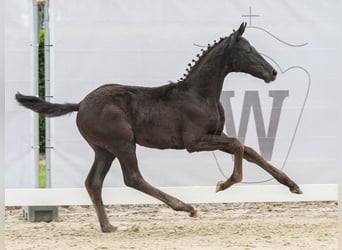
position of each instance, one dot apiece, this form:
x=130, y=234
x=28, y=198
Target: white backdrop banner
x=148, y=43
x=19, y=123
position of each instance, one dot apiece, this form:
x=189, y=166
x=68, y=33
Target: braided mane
x=205, y=52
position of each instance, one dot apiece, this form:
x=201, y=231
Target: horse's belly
x=159, y=138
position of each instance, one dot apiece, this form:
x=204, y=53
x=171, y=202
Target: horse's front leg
x=252, y=156
x=226, y=144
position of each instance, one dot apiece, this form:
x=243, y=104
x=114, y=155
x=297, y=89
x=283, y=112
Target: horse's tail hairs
x=45, y=108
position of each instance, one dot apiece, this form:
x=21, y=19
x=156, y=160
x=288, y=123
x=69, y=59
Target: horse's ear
x=235, y=36
x=242, y=28
x=238, y=33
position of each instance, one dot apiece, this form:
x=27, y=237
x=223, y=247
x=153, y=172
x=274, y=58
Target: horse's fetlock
x=236, y=178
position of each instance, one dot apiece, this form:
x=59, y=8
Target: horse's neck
x=207, y=84
x=207, y=76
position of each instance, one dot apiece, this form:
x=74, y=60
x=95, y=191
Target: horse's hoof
x=195, y=214
x=219, y=186
x=108, y=229
x=296, y=190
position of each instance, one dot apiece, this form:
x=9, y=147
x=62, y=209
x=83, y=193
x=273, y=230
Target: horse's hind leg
x=253, y=156
x=134, y=179
x=94, y=182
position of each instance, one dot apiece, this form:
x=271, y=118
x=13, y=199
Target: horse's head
x=245, y=58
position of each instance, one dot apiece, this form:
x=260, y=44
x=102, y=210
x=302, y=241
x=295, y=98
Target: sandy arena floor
x=301, y=225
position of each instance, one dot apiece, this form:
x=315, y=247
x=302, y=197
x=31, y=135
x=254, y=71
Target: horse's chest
x=214, y=124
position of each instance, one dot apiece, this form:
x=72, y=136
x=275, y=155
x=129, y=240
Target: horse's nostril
x=274, y=72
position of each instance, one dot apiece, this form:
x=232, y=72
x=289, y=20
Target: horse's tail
x=46, y=108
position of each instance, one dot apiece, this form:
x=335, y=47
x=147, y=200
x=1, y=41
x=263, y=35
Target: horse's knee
x=237, y=146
